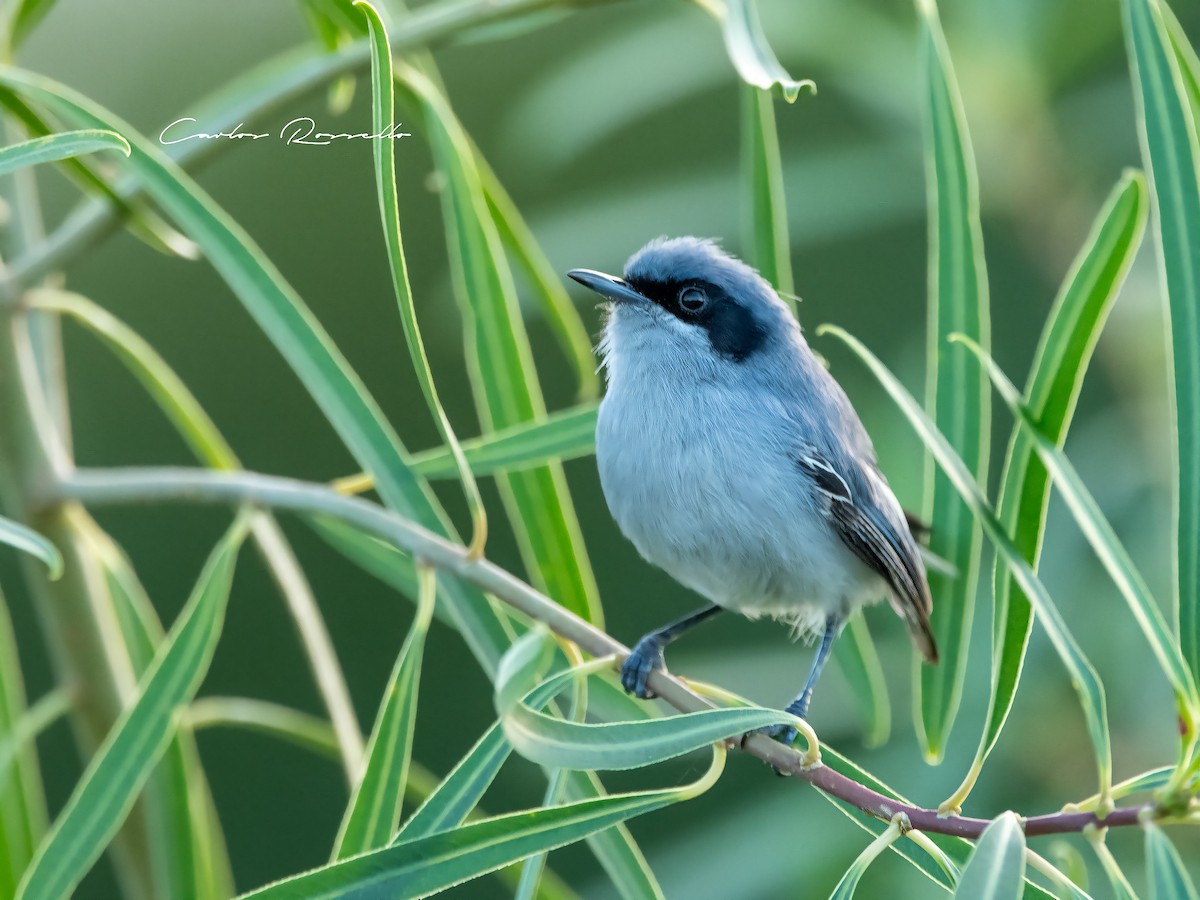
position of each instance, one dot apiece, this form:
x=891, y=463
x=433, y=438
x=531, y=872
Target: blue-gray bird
x=731, y=458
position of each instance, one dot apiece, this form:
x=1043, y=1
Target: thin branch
x=157, y=485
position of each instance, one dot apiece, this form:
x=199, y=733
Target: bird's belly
x=718, y=512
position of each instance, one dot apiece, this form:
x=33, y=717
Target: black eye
x=692, y=299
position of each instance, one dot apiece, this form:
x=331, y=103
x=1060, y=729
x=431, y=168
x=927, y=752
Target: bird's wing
x=865, y=529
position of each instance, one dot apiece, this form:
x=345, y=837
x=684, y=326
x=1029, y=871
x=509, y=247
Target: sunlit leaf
x=55, y=147
x=1064, y=351
x=1083, y=676
x=956, y=396
x=26, y=539
x=752, y=55
x=1171, y=154
x=996, y=869
x=110, y=784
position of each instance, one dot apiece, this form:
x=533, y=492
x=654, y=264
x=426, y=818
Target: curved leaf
x=426, y=865
x=374, y=809
x=1083, y=676
x=500, y=362
x=1168, y=878
x=752, y=55
x=384, y=118
x=956, y=396
x=24, y=538
x=297, y=335
x=1171, y=153
x=996, y=869
x=1064, y=351
x=109, y=786
x=848, y=883
x=54, y=147
x=1104, y=541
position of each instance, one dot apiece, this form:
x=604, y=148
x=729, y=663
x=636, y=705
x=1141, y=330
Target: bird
x=731, y=459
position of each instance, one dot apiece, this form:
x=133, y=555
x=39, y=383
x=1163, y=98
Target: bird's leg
x=799, y=706
x=647, y=654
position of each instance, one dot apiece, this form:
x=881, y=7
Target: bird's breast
x=705, y=486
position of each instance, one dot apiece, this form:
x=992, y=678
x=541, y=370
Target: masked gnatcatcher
x=732, y=459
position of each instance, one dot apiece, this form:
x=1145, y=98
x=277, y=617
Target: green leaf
x=1121, y=888
x=1083, y=676
x=22, y=18
x=848, y=883
x=273, y=719
x=55, y=147
x=500, y=362
x=566, y=434
x=858, y=660
x=141, y=221
x=22, y=798
x=554, y=742
x=182, y=828
x=294, y=331
x=548, y=290
x=1185, y=55
x=1104, y=541
x=374, y=809
x=197, y=429
x=383, y=118
x=1171, y=154
x=426, y=865
x=752, y=56
x=1168, y=877
x=956, y=394
x=1064, y=351
x=110, y=784
x=23, y=538
x=768, y=232
x=996, y=869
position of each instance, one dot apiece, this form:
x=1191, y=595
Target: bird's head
x=685, y=303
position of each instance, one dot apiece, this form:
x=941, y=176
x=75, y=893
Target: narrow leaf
x=996, y=869
x=500, y=362
x=22, y=797
x=858, y=661
x=548, y=289
x=429, y=864
x=23, y=538
x=1064, y=351
x=752, y=55
x=956, y=396
x=768, y=231
x=110, y=784
x=1083, y=676
x=1171, y=154
x=55, y=147
x=554, y=742
x=383, y=118
x=294, y=331
x=374, y=808
x=273, y=719
x=848, y=883
x=1104, y=541
x=1169, y=879
x=23, y=18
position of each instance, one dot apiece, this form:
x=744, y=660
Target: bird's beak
x=607, y=286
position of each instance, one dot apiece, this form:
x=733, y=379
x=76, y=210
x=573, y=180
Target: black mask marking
x=733, y=330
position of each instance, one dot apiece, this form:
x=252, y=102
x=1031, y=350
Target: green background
x=610, y=126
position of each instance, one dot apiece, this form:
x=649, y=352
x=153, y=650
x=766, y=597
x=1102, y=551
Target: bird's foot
x=646, y=657
x=785, y=734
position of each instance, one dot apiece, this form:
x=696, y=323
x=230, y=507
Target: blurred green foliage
x=609, y=126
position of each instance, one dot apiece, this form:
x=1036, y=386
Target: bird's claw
x=646, y=657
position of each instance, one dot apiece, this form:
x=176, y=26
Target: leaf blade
x=55, y=147
x=121, y=766
x=1172, y=154
x=956, y=397
x=996, y=868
